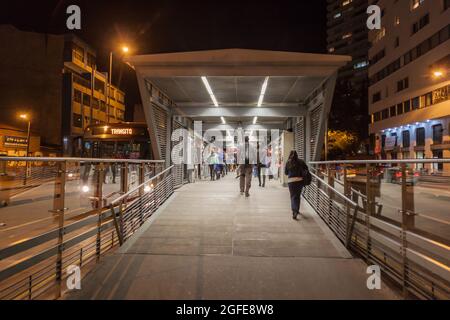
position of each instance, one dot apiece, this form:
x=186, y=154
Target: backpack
x=306, y=175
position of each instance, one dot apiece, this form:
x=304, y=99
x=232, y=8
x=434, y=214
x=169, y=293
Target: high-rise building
x=347, y=35
x=49, y=78
x=410, y=82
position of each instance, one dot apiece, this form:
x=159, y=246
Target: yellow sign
x=122, y=131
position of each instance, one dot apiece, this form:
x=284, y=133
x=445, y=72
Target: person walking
x=295, y=170
x=245, y=171
x=212, y=161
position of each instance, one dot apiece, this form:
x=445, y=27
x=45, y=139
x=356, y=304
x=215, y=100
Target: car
x=395, y=174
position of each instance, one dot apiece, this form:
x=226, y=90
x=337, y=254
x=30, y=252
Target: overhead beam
x=225, y=127
x=282, y=112
x=235, y=104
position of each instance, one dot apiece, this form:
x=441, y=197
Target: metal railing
x=373, y=208
x=70, y=217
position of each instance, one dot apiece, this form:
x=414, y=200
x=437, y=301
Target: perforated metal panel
x=161, y=128
x=178, y=168
x=299, y=138
x=314, y=118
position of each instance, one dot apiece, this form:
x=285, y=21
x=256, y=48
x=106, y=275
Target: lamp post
x=125, y=49
x=27, y=118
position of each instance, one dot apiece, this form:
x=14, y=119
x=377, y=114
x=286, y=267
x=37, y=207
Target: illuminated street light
x=25, y=116
x=147, y=189
x=438, y=74
x=125, y=49
x=85, y=189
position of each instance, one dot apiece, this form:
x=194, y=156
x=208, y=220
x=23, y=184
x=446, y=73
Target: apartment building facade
x=48, y=78
x=409, y=82
x=347, y=35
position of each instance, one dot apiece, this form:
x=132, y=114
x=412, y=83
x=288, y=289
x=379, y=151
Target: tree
x=342, y=144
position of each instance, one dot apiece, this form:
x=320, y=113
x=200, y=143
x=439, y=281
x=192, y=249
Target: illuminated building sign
x=10, y=141
x=122, y=131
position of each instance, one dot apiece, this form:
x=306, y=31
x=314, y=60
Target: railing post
x=347, y=194
x=124, y=178
x=100, y=172
x=407, y=223
x=59, y=209
x=141, y=178
x=369, y=209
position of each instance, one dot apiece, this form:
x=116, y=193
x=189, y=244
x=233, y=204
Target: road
x=431, y=203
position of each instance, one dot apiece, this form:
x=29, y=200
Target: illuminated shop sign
x=10, y=141
x=122, y=131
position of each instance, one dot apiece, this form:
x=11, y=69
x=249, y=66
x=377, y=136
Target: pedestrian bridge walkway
x=209, y=242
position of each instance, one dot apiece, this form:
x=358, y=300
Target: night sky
x=153, y=26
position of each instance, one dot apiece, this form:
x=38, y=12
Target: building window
x=446, y=4
x=77, y=120
x=376, y=97
x=360, y=65
x=380, y=35
x=406, y=139
x=407, y=106
x=99, y=86
x=438, y=134
x=393, y=111
x=420, y=137
x=346, y=2
x=419, y=25
x=376, y=116
x=402, y=84
x=77, y=95
x=347, y=35
x=377, y=57
x=440, y=95
x=86, y=100
x=95, y=103
x=397, y=42
x=400, y=108
x=416, y=3
x=416, y=103
x=385, y=114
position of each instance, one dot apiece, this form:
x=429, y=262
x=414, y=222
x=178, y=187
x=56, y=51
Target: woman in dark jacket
x=294, y=170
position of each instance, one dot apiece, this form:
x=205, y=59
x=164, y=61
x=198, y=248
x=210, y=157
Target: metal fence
x=385, y=212
x=70, y=216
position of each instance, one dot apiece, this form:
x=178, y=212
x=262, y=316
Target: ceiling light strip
x=255, y=119
x=263, y=92
x=210, y=92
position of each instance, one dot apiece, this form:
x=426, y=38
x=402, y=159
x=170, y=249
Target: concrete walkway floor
x=209, y=242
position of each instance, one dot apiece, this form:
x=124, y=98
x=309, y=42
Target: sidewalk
x=208, y=242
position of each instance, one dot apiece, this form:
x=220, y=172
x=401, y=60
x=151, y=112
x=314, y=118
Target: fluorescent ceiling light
x=223, y=120
x=255, y=119
x=211, y=93
x=263, y=92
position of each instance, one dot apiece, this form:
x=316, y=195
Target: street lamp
x=25, y=117
x=125, y=50
x=437, y=74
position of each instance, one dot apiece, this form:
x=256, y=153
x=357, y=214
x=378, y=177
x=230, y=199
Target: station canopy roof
x=236, y=78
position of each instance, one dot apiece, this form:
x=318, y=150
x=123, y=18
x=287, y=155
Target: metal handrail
x=341, y=195
x=125, y=195
x=381, y=161
x=63, y=159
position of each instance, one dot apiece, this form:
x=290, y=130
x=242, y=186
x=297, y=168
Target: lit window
x=346, y=2
x=416, y=3
x=361, y=65
x=331, y=49
x=347, y=35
